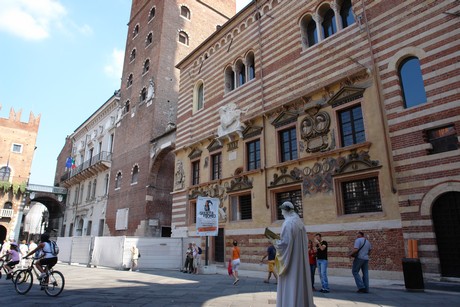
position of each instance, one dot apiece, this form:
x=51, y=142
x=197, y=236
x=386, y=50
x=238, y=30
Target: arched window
x=329, y=26
x=229, y=79
x=183, y=38
x=135, y=174
x=241, y=71
x=8, y=205
x=251, y=66
x=143, y=96
x=308, y=31
x=346, y=14
x=5, y=173
x=151, y=13
x=198, y=96
x=410, y=76
x=132, y=56
x=149, y=39
x=136, y=31
x=130, y=80
x=118, y=181
x=185, y=12
x=126, y=107
x=146, y=66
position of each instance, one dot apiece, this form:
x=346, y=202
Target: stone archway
x=446, y=222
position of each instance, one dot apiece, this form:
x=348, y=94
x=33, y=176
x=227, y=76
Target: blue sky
x=61, y=59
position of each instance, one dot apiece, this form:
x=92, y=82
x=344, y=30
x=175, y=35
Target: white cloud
x=30, y=19
x=115, y=66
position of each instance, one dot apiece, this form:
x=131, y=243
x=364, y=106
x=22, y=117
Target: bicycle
x=53, y=282
x=2, y=268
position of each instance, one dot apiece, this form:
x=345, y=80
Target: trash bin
x=413, y=276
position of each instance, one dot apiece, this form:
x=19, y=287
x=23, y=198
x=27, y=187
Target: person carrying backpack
x=196, y=257
x=47, y=254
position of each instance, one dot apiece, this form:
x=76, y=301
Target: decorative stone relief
x=314, y=131
x=151, y=90
x=179, y=176
x=230, y=120
x=285, y=177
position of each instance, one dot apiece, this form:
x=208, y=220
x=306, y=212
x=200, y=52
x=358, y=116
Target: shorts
x=12, y=263
x=271, y=266
x=235, y=264
x=50, y=262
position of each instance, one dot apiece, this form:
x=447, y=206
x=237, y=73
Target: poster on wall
x=207, y=222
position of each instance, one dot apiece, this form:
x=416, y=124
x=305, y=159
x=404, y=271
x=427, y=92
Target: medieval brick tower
x=160, y=34
x=17, y=147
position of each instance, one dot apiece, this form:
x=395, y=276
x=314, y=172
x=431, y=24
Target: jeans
x=322, y=268
x=312, y=273
x=363, y=265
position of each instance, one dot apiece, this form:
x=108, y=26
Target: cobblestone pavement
x=107, y=287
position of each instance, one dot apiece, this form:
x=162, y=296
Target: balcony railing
x=46, y=188
x=6, y=212
x=103, y=156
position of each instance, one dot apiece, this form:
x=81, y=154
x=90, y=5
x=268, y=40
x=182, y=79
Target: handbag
x=229, y=268
x=356, y=252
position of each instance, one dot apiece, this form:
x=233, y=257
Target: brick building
x=305, y=101
x=17, y=148
x=160, y=33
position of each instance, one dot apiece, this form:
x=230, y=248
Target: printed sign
x=207, y=222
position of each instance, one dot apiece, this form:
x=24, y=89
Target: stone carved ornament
x=314, y=131
x=230, y=120
x=179, y=176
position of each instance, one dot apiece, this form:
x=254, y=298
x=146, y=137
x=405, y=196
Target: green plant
x=5, y=186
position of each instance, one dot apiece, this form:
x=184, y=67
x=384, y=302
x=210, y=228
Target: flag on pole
x=68, y=162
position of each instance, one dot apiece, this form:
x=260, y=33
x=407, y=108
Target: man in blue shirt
x=361, y=250
x=271, y=253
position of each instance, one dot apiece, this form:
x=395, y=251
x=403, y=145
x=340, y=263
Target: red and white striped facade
x=358, y=65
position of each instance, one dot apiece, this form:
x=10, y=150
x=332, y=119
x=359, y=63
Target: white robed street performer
x=294, y=282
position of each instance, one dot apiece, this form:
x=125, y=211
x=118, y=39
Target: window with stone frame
x=250, y=61
x=149, y=39
x=93, y=195
x=351, y=126
x=152, y=13
x=136, y=30
x=329, y=26
x=241, y=73
x=185, y=12
x=183, y=38
x=216, y=166
x=135, y=174
x=132, y=55
x=294, y=196
x=241, y=207
x=442, y=139
x=17, y=148
x=129, y=82
x=253, y=155
x=308, y=31
x=146, y=66
x=229, y=77
x=195, y=172
x=198, y=96
x=288, y=144
x=360, y=194
x=118, y=180
x=88, y=228
x=5, y=173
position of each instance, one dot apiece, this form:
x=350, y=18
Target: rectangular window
x=216, y=167
x=294, y=196
x=17, y=148
x=442, y=139
x=196, y=172
x=88, y=228
x=351, y=126
x=100, y=233
x=253, y=155
x=241, y=207
x=360, y=196
x=288, y=144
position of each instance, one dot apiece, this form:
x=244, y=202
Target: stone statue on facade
x=151, y=90
x=229, y=120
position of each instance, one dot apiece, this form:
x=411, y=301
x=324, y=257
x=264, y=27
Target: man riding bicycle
x=44, y=252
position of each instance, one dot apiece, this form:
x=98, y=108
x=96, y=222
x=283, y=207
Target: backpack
x=200, y=251
x=54, y=248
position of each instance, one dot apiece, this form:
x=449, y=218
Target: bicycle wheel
x=13, y=278
x=23, y=281
x=55, y=283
